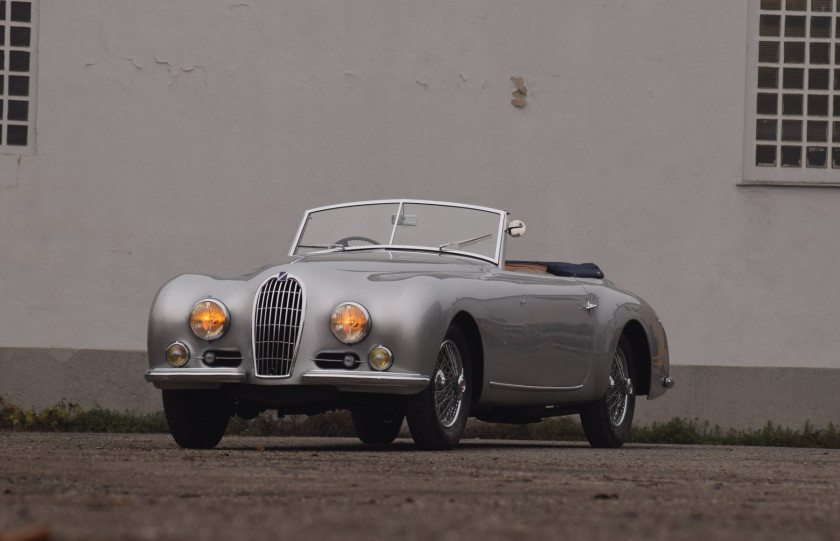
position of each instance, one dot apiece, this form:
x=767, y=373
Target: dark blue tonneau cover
x=559, y=268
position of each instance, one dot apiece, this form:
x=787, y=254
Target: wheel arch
x=635, y=334
x=465, y=322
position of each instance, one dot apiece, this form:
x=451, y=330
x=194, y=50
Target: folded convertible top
x=559, y=268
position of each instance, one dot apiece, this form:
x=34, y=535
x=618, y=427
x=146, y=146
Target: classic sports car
x=405, y=309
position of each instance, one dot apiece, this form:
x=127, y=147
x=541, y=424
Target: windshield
x=443, y=227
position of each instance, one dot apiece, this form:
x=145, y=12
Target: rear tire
x=606, y=422
x=438, y=416
x=197, y=419
x=376, y=428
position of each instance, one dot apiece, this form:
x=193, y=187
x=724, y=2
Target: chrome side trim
x=198, y=375
x=383, y=379
x=514, y=387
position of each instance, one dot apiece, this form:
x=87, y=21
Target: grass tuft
x=69, y=417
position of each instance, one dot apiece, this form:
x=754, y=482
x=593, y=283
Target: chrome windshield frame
x=497, y=259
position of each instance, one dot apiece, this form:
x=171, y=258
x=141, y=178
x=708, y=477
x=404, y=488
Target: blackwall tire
x=375, y=428
x=606, y=422
x=438, y=416
x=197, y=419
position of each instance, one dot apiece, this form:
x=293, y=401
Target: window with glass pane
x=17, y=75
x=793, y=97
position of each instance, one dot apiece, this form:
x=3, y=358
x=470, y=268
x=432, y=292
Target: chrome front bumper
x=343, y=380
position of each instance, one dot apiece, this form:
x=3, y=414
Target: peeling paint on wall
x=520, y=92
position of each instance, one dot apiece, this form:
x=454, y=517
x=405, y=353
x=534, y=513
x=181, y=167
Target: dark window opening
x=768, y=77
x=820, y=27
x=817, y=156
x=765, y=155
x=769, y=25
x=765, y=130
x=768, y=51
x=820, y=53
x=795, y=52
x=21, y=12
x=817, y=131
x=793, y=78
x=792, y=130
x=18, y=110
x=795, y=26
x=791, y=156
x=766, y=104
x=16, y=135
x=821, y=5
x=818, y=79
x=18, y=61
x=817, y=105
x=792, y=104
x=19, y=36
x=18, y=85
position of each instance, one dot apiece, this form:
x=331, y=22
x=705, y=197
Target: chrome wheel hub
x=620, y=389
x=449, y=384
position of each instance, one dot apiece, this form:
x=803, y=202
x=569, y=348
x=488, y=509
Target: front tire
x=197, y=419
x=438, y=416
x=606, y=422
x=376, y=428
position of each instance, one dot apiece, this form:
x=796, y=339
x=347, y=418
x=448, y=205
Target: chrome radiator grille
x=278, y=313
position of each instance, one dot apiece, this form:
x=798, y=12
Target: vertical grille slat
x=277, y=324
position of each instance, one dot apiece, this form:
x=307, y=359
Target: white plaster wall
x=189, y=135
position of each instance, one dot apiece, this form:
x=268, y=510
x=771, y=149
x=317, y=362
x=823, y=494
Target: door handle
x=589, y=305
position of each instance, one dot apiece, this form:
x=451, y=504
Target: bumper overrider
x=343, y=380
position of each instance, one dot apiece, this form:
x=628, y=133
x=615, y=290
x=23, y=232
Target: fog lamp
x=380, y=358
x=177, y=354
x=350, y=322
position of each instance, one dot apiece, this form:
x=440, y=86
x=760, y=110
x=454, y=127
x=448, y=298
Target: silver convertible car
x=405, y=309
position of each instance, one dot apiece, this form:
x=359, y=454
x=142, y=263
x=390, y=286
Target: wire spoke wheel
x=618, y=392
x=607, y=421
x=449, y=383
x=438, y=415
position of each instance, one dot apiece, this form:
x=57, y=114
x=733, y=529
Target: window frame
x=31, y=52
x=778, y=174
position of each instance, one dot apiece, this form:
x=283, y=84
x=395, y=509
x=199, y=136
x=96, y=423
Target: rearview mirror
x=516, y=228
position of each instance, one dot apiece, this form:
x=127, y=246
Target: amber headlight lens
x=209, y=319
x=177, y=354
x=350, y=322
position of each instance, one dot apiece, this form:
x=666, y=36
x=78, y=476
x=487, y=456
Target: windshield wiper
x=460, y=243
x=327, y=246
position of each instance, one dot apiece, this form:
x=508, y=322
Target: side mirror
x=516, y=228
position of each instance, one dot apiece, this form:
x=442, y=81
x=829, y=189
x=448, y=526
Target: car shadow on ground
x=346, y=445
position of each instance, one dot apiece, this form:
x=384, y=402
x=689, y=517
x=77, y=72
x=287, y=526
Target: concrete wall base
x=725, y=396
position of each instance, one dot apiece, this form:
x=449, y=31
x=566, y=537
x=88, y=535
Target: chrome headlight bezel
x=212, y=335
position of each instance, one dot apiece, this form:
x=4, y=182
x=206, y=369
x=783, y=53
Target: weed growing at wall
x=64, y=417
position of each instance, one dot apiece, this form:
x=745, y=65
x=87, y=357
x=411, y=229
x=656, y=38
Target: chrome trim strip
x=384, y=379
x=202, y=375
x=514, y=387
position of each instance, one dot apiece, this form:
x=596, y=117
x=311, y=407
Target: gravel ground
x=119, y=486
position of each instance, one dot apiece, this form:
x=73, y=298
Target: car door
x=560, y=332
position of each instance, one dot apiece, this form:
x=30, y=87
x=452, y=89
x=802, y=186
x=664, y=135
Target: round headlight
x=350, y=322
x=209, y=319
x=177, y=354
